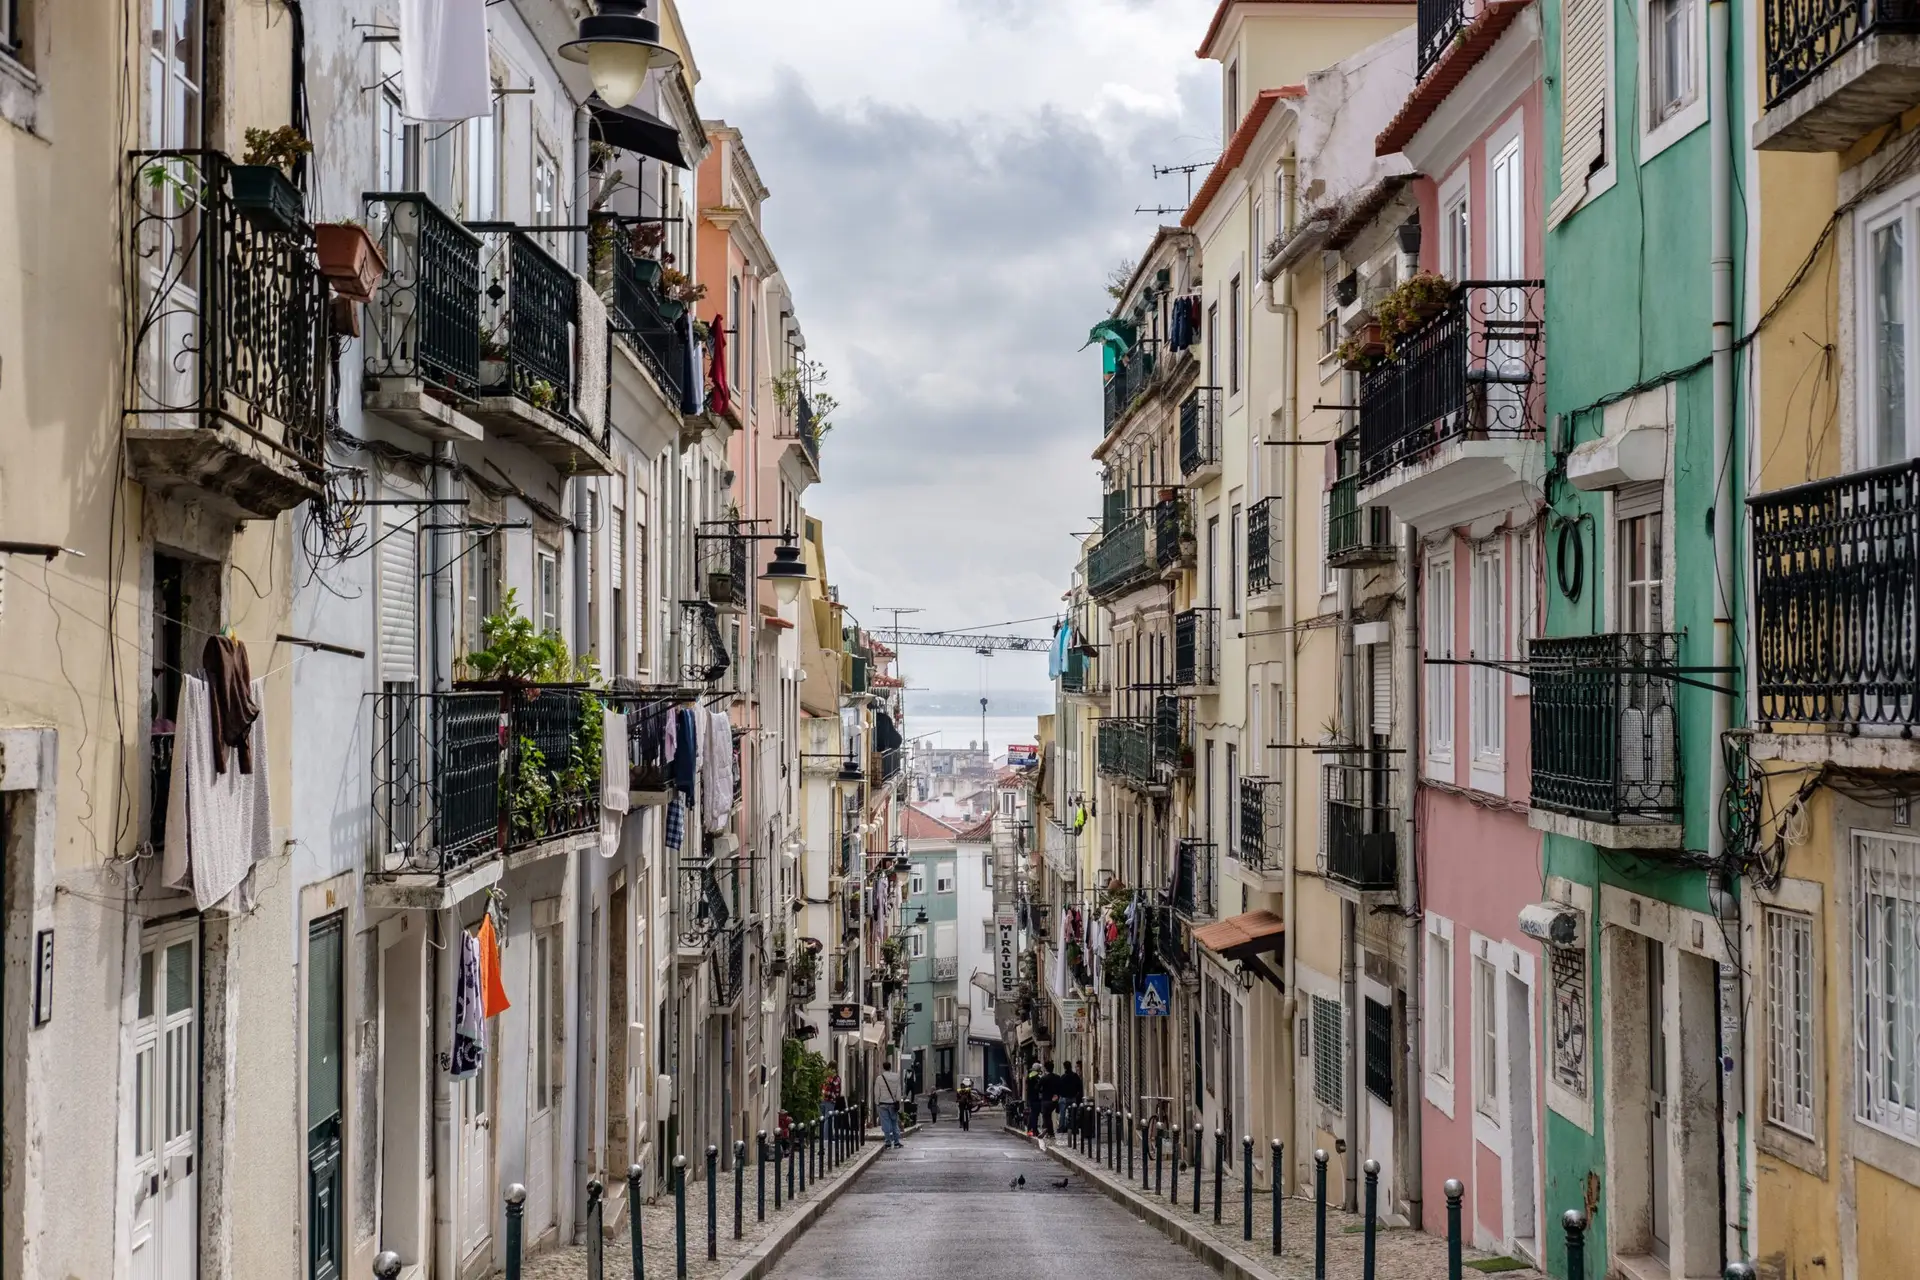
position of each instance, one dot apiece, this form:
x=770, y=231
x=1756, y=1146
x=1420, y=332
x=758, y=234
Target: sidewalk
x=657, y=1226
x=1400, y=1253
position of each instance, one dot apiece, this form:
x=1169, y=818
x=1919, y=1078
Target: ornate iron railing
x=1196, y=648
x=1475, y=370
x=1438, y=22
x=726, y=564
x=437, y=781
x=1173, y=540
x=424, y=320
x=1169, y=939
x=1355, y=534
x=704, y=659
x=1129, y=378
x=1119, y=561
x=229, y=312
x=1604, y=731
x=635, y=315
x=1199, y=430
x=1263, y=830
x=529, y=315
x=1357, y=820
x=1805, y=37
x=807, y=429
x=552, y=787
x=1262, y=564
x=729, y=961
x=1195, y=893
x=1837, y=589
x=1124, y=749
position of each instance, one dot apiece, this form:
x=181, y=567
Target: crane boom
x=964, y=640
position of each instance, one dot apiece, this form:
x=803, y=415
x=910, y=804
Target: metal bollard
x=760, y=1208
x=1173, y=1185
x=596, y=1241
x=1455, y=1192
x=819, y=1149
x=1146, y=1155
x=386, y=1265
x=1159, y=1158
x=1575, y=1223
x=800, y=1152
x=516, y=1207
x=1113, y=1139
x=1246, y=1186
x=713, y=1216
x=1219, y=1170
x=634, y=1174
x=680, y=1217
x=1372, y=1169
x=1199, y=1166
x=1129, y=1146
x=787, y=1144
x=774, y=1143
x=1319, y=1213
x=739, y=1184
x=1278, y=1150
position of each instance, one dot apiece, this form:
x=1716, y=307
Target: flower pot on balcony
x=349, y=259
x=720, y=588
x=493, y=373
x=672, y=309
x=647, y=271
x=265, y=197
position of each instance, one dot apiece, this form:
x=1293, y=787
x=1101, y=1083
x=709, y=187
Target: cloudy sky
x=953, y=181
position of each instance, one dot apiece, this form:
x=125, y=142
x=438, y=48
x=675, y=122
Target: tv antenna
x=1166, y=170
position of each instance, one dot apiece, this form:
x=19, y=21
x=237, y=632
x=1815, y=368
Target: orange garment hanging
x=493, y=994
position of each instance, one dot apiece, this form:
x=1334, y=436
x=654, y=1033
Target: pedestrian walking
x=886, y=1093
x=1049, y=1096
x=1072, y=1090
x=1033, y=1100
x=933, y=1107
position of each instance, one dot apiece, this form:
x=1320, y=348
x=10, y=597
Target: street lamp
x=619, y=46
x=787, y=572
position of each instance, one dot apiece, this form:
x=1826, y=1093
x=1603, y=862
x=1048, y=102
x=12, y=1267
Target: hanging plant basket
x=349, y=259
x=266, y=197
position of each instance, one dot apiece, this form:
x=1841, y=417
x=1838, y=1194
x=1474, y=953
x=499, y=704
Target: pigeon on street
x=1061, y=1183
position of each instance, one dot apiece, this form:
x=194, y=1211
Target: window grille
x=1380, y=1051
x=1790, y=1029
x=1886, y=982
x=1328, y=1068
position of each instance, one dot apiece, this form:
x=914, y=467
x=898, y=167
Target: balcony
x=1262, y=825
x=1195, y=889
x=1081, y=676
x=1606, y=750
x=1118, y=563
x=728, y=957
x=1128, y=382
x=1264, y=563
x=1196, y=648
x=1148, y=752
x=946, y=968
x=705, y=659
x=1061, y=849
x=226, y=385
x=1359, y=829
x=726, y=566
x=806, y=433
x=460, y=778
x=1356, y=534
x=529, y=343
x=1836, y=70
x=1450, y=425
x=636, y=316
x=421, y=364
x=1438, y=22
x=1200, y=435
x=944, y=1032
x=1169, y=940
x=706, y=904
x=1174, y=546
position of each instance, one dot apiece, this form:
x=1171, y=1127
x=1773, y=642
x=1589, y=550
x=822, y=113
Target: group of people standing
x=1050, y=1094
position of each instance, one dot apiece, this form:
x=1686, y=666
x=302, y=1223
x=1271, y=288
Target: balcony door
x=168, y=221
x=544, y=1003
x=164, y=1103
x=326, y=1091
x=1505, y=308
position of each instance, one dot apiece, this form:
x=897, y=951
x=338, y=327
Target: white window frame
x=916, y=881
x=1439, y=1012
x=1457, y=194
x=1890, y=874
x=943, y=877
x=1510, y=137
x=1436, y=641
x=546, y=572
x=1525, y=611
x=986, y=877
x=1483, y=990
x=917, y=943
x=1486, y=686
x=1657, y=133
x=1902, y=206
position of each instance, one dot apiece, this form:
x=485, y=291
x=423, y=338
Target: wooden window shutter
x=399, y=601
x=1583, y=101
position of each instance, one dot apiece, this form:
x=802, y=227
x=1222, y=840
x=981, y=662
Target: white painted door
x=164, y=1120
x=543, y=1085
x=1520, y=1114
x=476, y=1159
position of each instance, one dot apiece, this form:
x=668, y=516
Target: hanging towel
x=469, y=1024
x=686, y=756
x=676, y=834
x=719, y=793
x=493, y=993
x=720, y=398
x=234, y=706
x=444, y=73
x=218, y=825
x=590, y=360
x=615, y=767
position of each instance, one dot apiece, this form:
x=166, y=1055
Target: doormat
x=1494, y=1265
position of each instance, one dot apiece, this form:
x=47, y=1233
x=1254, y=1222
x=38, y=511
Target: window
x=1456, y=252
x=1788, y=940
x=989, y=997
x=12, y=31
x=1329, y=581
x=480, y=188
x=391, y=135
x=1488, y=629
x=943, y=878
x=1506, y=223
x=1379, y=1047
x=548, y=566
x=1213, y=561
x=1440, y=1005
x=943, y=1008
x=917, y=944
x=1284, y=198
x=1486, y=1037
x=1232, y=797
x=1640, y=561
x=1526, y=600
x=916, y=881
x=1233, y=336
x=546, y=196
x=1233, y=563
x=1213, y=344
x=946, y=939
x=173, y=72
x=1585, y=32
x=1887, y=291
x=733, y=353
x=1886, y=982
x=1329, y=1065
x=986, y=876
x=1438, y=642
x=1230, y=102
x=483, y=585
x=1672, y=78
x=991, y=937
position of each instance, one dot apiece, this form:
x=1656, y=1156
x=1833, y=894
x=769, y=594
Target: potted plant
x=678, y=292
x=493, y=362
x=262, y=191
x=644, y=243
x=349, y=259
x=540, y=394
x=1411, y=303
x=1361, y=351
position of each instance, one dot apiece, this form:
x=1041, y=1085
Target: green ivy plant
x=803, y=1079
x=531, y=794
x=516, y=651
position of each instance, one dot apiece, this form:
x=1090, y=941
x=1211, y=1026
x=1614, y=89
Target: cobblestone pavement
x=657, y=1231
x=1400, y=1254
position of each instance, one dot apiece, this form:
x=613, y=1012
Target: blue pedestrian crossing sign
x=1153, y=997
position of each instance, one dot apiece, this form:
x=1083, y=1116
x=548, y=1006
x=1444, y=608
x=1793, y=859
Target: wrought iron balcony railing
x=1263, y=566
x=1805, y=37
x=1262, y=824
x=529, y=318
x=424, y=320
x=1605, y=736
x=1358, y=827
x=726, y=578
x=1836, y=569
x=1174, y=545
x=704, y=657
x=438, y=781
x=1356, y=534
x=1475, y=370
x=1129, y=378
x=1199, y=431
x=1148, y=751
x=729, y=961
x=1195, y=889
x=1196, y=648
x=807, y=429
x=552, y=784
x=636, y=316
x=1169, y=939
x=1081, y=674
x=1119, y=561
x=229, y=310
x=1438, y=22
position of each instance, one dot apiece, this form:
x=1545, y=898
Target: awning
x=640, y=132
x=1246, y=937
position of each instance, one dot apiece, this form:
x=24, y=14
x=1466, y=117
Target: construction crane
x=966, y=640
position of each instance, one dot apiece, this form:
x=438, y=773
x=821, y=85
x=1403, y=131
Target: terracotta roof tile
x=918, y=824
x=1445, y=75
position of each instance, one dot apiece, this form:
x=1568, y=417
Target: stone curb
x=760, y=1259
x=1228, y=1262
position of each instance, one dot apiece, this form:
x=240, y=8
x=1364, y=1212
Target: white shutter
x=1583, y=100
x=617, y=556
x=399, y=601
x=1383, y=689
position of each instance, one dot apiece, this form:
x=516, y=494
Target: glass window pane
x=143, y=1102
x=179, y=977
x=1890, y=342
x=324, y=966
x=146, y=984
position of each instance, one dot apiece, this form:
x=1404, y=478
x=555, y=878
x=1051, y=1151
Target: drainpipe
x=441, y=621
x=1725, y=522
x=1415, y=1090
x=1350, y=690
x=582, y=264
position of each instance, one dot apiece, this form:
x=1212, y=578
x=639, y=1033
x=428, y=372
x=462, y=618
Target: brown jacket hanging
x=230, y=695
